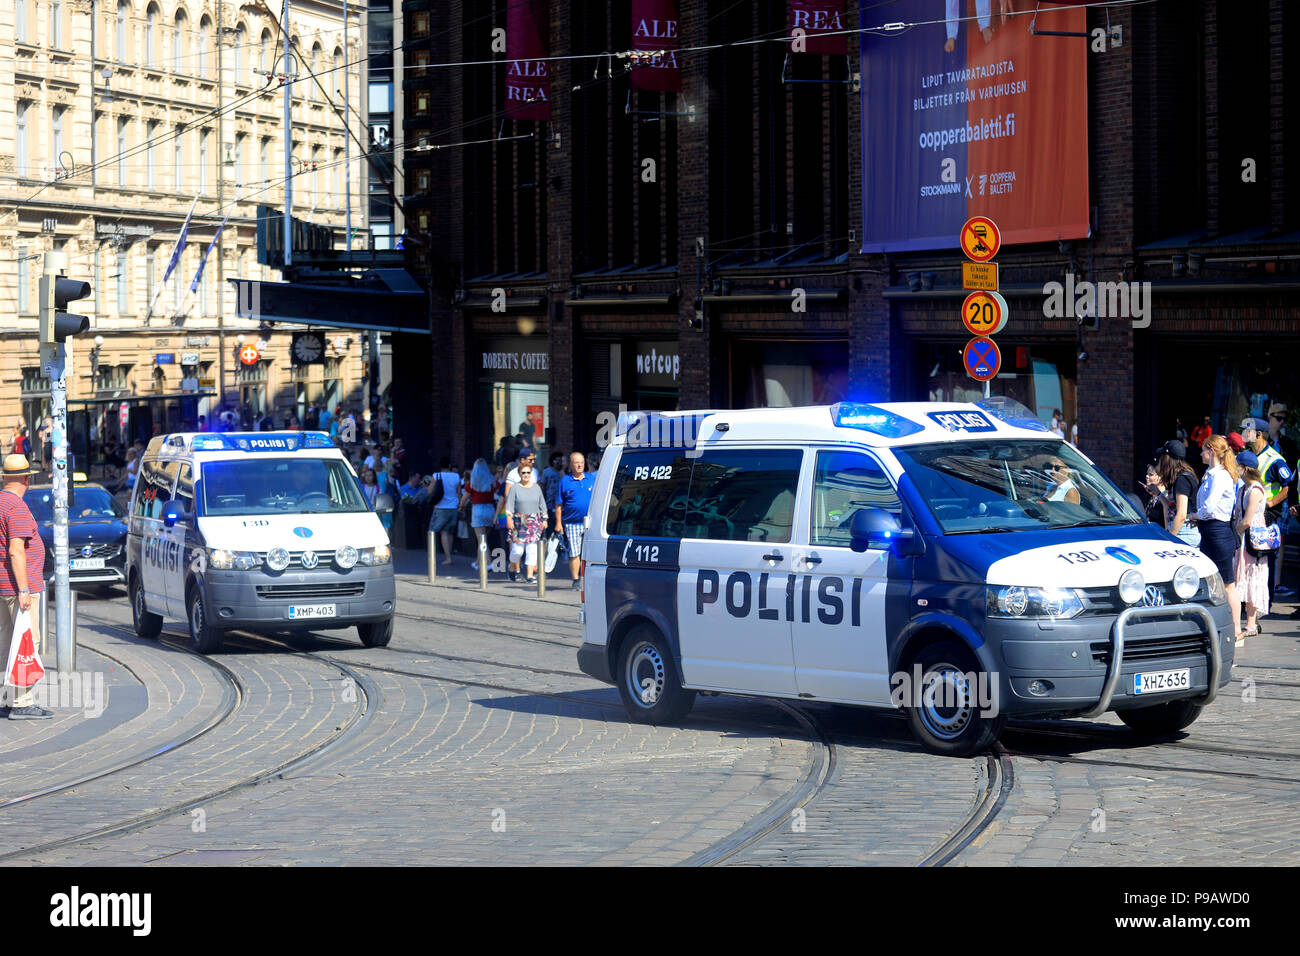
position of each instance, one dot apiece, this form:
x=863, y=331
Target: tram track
x=369, y=701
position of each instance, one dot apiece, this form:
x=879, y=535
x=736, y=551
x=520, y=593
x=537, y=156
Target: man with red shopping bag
x=22, y=572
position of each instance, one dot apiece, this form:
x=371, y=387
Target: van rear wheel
x=204, y=638
x=945, y=712
x=647, y=680
x=1161, y=719
x=146, y=625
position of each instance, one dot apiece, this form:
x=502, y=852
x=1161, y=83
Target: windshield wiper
x=1094, y=523
x=995, y=529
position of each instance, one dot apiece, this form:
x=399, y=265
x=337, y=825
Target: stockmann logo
x=1103, y=300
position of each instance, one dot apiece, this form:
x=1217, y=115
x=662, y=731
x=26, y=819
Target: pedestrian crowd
x=1239, y=511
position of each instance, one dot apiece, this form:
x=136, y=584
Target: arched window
x=151, y=35
x=316, y=63
x=240, y=35
x=336, y=77
x=204, y=41
x=178, y=43
x=264, y=57
x=119, y=32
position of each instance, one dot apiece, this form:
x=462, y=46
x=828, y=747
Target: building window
x=238, y=51
x=110, y=377
x=56, y=136
x=34, y=380
x=23, y=301
x=178, y=43
x=119, y=33
x=98, y=284
x=150, y=167
x=264, y=160
x=20, y=21
x=332, y=390
x=149, y=257
x=121, y=151
x=264, y=54
x=150, y=36
x=20, y=139
x=313, y=89
x=203, y=161
x=56, y=24
x=201, y=54
x=178, y=159
x=123, y=284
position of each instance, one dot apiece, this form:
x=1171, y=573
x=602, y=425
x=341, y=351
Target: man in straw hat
x=22, y=570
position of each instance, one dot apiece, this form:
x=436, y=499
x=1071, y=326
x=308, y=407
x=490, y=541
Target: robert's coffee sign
x=515, y=360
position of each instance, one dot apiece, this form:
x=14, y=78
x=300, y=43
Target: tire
x=147, y=625
x=376, y=633
x=204, y=638
x=1162, y=719
x=957, y=730
x=648, y=682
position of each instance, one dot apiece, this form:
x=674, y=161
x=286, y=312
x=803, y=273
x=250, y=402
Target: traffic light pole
x=54, y=361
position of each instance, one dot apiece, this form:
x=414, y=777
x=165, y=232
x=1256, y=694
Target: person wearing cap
x=1252, y=571
x=527, y=457
x=1286, y=447
x=22, y=570
x=1179, y=497
x=1236, y=442
x=1275, y=475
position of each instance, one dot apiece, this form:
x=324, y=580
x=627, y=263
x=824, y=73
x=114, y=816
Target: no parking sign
x=981, y=358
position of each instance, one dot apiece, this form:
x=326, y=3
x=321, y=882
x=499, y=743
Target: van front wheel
x=204, y=638
x=376, y=633
x=945, y=712
x=1161, y=719
x=647, y=680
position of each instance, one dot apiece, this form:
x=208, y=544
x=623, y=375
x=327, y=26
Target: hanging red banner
x=654, y=45
x=528, y=78
x=811, y=20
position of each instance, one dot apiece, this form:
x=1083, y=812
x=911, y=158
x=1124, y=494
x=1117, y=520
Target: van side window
x=185, y=488
x=156, y=487
x=743, y=495
x=844, y=482
x=648, y=497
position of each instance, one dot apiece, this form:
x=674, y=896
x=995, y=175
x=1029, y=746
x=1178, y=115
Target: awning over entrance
x=386, y=300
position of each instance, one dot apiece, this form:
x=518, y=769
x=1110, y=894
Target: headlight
x=1132, y=586
x=1214, y=587
x=377, y=555
x=1015, y=602
x=346, y=556
x=247, y=560
x=277, y=559
x=1186, y=582
x=221, y=559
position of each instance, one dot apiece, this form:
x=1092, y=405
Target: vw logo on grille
x=1154, y=596
x=86, y=551
x=309, y=559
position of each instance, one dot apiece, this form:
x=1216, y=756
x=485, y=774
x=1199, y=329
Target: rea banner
x=528, y=78
x=970, y=114
x=813, y=19
x=654, y=34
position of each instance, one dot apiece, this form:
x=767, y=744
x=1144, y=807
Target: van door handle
x=812, y=559
x=774, y=557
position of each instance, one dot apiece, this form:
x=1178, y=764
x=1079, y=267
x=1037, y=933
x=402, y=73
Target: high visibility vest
x=1266, y=459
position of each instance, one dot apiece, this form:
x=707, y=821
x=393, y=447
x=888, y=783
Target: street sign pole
x=54, y=360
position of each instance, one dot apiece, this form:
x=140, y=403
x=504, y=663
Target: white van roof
x=885, y=424
x=212, y=445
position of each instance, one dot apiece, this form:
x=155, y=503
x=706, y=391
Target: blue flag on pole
x=180, y=243
x=202, y=262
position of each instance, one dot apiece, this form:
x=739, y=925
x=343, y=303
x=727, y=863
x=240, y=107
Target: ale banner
x=654, y=32
x=528, y=78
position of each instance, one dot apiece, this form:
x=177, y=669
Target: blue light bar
x=316, y=440
x=1007, y=409
x=871, y=418
x=208, y=443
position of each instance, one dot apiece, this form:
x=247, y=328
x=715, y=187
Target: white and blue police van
x=954, y=561
x=264, y=531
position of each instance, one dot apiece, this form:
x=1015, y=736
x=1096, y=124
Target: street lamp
x=94, y=361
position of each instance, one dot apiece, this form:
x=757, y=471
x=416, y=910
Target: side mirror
x=384, y=503
x=875, y=529
x=173, y=512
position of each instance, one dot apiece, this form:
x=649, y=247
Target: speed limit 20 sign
x=984, y=313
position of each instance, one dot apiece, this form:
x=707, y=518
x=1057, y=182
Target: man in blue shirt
x=571, y=504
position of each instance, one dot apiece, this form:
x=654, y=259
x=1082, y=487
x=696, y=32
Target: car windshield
x=277, y=485
x=1013, y=485
x=88, y=504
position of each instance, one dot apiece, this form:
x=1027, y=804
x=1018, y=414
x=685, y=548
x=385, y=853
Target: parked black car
x=96, y=534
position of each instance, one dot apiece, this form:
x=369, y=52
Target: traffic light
x=56, y=323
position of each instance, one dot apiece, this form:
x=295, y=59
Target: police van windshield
x=277, y=485
x=1012, y=485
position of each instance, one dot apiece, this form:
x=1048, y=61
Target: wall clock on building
x=308, y=347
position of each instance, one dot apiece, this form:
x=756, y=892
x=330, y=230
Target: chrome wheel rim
x=645, y=675
x=946, y=706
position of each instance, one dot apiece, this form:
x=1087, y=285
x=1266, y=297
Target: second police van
x=264, y=531
x=954, y=561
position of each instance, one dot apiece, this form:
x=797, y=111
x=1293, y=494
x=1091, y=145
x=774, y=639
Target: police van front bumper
x=263, y=599
x=593, y=660
x=1071, y=665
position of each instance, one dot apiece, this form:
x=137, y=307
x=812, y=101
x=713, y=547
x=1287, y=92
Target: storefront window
x=1040, y=377
x=513, y=393
x=782, y=374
